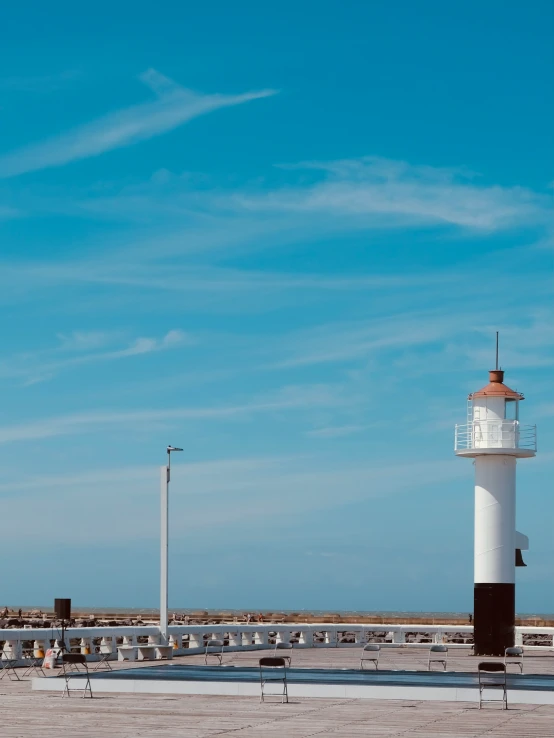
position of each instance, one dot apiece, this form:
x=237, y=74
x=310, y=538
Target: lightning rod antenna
x=496, y=350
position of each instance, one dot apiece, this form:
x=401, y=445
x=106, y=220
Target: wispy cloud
x=337, y=431
x=7, y=212
x=40, y=83
x=84, y=340
x=238, y=492
x=395, y=193
x=286, y=398
x=175, y=105
x=41, y=365
x=215, y=469
x=144, y=284
x=529, y=342
x=459, y=334
x=200, y=279
x=336, y=342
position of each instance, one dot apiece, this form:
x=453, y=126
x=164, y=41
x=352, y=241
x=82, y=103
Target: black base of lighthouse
x=494, y=618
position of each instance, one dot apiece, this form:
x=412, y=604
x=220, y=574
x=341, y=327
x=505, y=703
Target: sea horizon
x=239, y=611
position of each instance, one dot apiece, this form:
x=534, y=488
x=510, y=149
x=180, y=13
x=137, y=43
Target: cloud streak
x=395, y=193
x=40, y=84
x=200, y=279
x=174, y=106
x=337, y=431
x=240, y=492
x=7, y=212
x=287, y=398
x=39, y=366
x=340, y=342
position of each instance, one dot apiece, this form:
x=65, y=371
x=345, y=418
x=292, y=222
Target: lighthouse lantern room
x=494, y=437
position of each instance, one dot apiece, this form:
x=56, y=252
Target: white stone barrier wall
x=191, y=639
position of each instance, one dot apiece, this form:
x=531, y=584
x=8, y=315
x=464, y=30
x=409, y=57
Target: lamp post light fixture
x=164, y=494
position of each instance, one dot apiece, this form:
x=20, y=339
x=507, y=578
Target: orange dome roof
x=496, y=388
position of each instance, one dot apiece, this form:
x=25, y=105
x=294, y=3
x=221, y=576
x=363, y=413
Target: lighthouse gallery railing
x=495, y=434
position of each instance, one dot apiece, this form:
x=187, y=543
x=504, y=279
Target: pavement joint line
x=278, y=719
x=509, y=719
x=335, y=728
x=409, y=730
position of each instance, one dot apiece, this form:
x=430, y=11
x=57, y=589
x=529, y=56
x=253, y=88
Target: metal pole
x=164, y=515
x=164, y=536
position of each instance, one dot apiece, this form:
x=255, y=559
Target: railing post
x=107, y=645
x=12, y=649
x=176, y=641
x=235, y=639
x=261, y=638
x=196, y=640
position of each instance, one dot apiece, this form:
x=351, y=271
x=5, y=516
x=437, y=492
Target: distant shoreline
x=322, y=615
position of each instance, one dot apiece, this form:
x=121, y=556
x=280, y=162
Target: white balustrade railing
x=19, y=643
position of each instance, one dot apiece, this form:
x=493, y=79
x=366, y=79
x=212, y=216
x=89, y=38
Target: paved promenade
x=26, y=714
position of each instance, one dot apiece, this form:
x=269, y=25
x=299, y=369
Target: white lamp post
x=164, y=494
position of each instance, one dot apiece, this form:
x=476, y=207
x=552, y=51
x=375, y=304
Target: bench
x=144, y=652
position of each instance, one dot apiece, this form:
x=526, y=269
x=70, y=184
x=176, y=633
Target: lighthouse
x=494, y=437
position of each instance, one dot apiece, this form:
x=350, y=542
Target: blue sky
x=281, y=236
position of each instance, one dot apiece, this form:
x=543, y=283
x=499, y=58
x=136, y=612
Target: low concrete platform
x=533, y=689
x=24, y=713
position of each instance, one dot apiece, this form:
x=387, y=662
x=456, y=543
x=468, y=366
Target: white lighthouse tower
x=494, y=437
